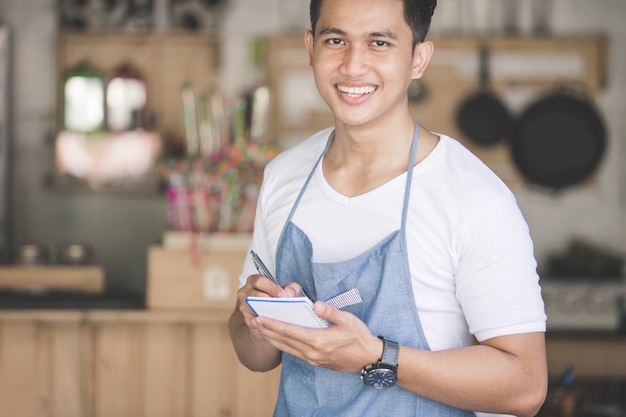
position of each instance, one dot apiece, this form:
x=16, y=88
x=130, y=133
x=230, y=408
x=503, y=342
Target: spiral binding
x=346, y=299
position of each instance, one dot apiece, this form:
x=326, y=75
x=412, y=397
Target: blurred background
x=133, y=134
x=120, y=226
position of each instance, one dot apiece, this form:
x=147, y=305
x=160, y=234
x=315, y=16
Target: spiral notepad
x=293, y=310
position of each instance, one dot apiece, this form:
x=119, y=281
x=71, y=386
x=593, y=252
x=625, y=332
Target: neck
x=361, y=159
x=373, y=143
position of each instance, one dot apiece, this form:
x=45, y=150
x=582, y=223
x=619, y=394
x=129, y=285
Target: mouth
x=355, y=92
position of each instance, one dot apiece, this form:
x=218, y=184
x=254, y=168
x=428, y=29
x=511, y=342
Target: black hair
x=417, y=14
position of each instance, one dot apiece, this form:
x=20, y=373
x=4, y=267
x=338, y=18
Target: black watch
x=383, y=374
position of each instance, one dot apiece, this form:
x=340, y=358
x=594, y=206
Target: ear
x=308, y=41
x=421, y=57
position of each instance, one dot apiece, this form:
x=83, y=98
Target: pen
x=346, y=298
x=260, y=266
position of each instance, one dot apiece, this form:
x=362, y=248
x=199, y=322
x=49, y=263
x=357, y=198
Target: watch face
x=380, y=378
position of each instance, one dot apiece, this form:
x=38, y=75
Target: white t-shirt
x=470, y=254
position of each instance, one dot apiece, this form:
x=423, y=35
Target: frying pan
x=482, y=117
x=559, y=140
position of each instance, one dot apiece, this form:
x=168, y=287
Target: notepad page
x=293, y=310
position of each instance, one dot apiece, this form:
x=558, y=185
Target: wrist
x=383, y=373
x=374, y=351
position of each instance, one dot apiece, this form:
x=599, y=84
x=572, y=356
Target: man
x=433, y=241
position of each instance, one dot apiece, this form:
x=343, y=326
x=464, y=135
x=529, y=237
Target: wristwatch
x=383, y=374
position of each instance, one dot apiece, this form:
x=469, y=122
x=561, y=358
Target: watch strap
x=390, y=354
x=383, y=373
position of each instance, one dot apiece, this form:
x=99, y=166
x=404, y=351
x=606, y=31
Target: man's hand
x=260, y=286
x=252, y=349
x=347, y=345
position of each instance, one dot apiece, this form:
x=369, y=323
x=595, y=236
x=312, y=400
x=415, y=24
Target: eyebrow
x=336, y=31
x=383, y=34
x=332, y=31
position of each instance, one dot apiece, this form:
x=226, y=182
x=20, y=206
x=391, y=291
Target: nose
x=355, y=61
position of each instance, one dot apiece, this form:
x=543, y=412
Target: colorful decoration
x=217, y=193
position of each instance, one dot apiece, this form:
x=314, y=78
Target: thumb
x=293, y=289
x=326, y=311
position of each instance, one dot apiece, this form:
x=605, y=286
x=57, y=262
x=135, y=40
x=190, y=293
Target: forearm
x=480, y=378
x=255, y=355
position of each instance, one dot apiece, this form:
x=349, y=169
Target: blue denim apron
x=382, y=276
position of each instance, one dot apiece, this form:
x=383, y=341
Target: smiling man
x=431, y=238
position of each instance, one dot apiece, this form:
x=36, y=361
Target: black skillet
x=559, y=140
x=482, y=117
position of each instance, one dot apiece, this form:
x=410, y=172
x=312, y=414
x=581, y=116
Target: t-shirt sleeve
x=497, y=281
x=258, y=243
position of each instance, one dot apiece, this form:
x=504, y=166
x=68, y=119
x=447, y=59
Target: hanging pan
x=482, y=117
x=559, y=140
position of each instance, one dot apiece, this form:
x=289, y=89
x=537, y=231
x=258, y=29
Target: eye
x=380, y=44
x=334, y=41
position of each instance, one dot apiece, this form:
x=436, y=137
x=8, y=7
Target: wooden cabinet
x=126, y=363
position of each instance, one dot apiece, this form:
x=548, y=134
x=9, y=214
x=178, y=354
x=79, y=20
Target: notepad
x=293, y=310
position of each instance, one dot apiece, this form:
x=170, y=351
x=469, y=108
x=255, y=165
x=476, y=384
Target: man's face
x=362, y=58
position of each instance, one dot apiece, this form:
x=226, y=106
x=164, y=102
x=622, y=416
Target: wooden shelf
x=165, y=60
x=87, y=278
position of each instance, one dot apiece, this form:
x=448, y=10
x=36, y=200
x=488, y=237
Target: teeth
x=356, y=91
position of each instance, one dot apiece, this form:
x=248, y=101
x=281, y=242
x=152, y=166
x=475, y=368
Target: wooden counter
x=600, y=355
x=126, y=363
x=155, y=363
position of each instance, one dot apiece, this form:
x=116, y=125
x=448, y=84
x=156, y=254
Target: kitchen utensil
x=510, y=15
x=417, y=91
x=259, y=117
x=482, y=117
x=83, y=99
x=559, y=140
x=32, y=254
x=74, y=254
x=126, y=98
x=541, y=16
x=583, y=259
x=190, y=121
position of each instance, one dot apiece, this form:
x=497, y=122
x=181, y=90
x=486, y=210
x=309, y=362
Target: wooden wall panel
x=67, y=365
x=114, y=371
x=23, y=390
x=40, y=370
x=126, y=364
x=213, y=381
x=257, y=392
x=166, y=367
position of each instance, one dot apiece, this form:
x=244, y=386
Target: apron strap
x=306, y=184
x=409, y=176
x=407, y=190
